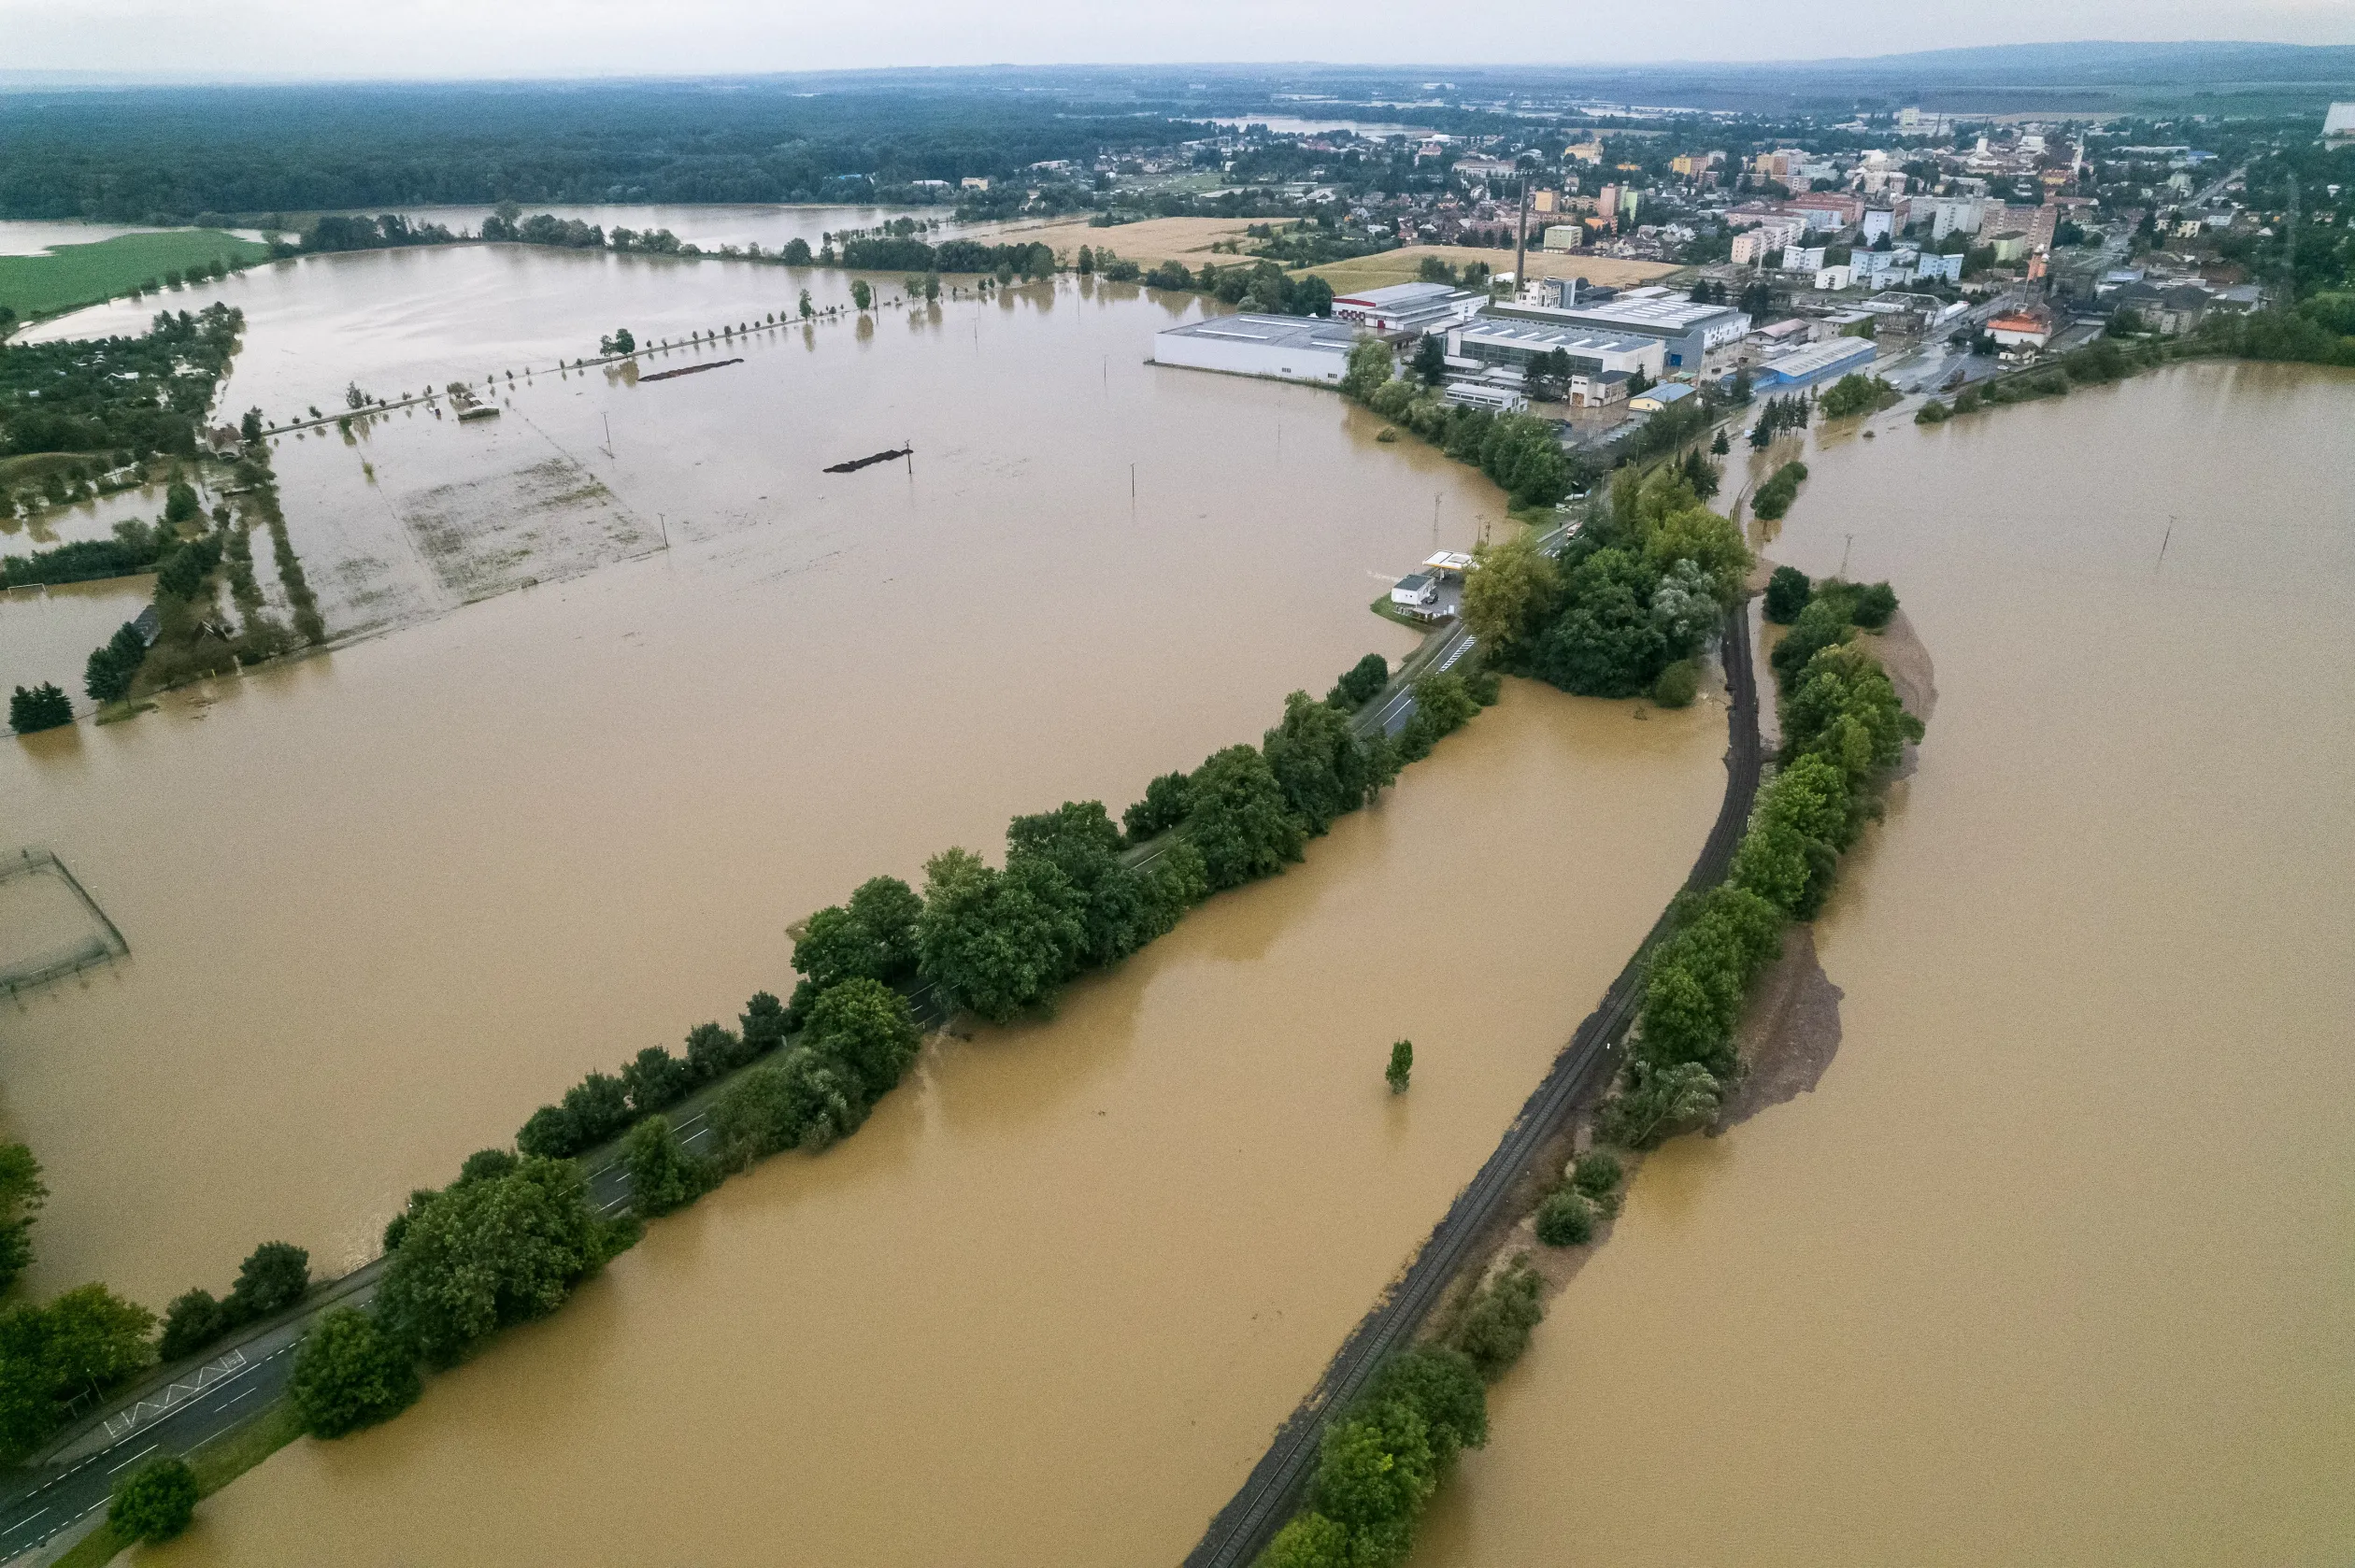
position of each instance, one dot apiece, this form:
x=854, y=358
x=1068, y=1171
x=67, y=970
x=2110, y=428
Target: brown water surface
x=1048, y=1305
x=384, y=901
x=2054, y=1266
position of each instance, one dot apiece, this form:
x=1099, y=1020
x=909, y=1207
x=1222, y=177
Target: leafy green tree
x=274, y=1276
x=22, y=1195
x=155, y=1502
x=796, y=253
x=861, y=295
x=486, y=1254
x=249, y=428
x=1165, y=806
x=866, y=1027
x=1605, y=645
x=192, y=1321
x=664, y=1176
x=350, y=1374
x=550, y=1133
x=1369, y=370
x=1597, y=1174
x=1430, y=361
x=1079, y=840
x=655, y=1080
x=1565, y=1219
x=872, y=936
x=85, y=1342
x=599, y=1107
x=1309, y=1540
x=1874, y=606
x=1509, y=598
x=1494, y=1328
x=1319, y=762
x=763, y=1021
x=181, y=504
x=1822, y=625
x=1238, y=820
x=1442, y=1386
x=826, y=1102
x=40, y=707
x=808, y=309
x=1657, y=1103
x=1402, y=1065
x=997, y=941
x=1374, y=1471
x=1787, y=594
x=1359, y=685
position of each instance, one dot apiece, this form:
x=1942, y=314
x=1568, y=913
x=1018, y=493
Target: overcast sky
x=453, y=39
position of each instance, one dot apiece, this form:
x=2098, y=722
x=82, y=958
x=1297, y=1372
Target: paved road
x=1242, y=1529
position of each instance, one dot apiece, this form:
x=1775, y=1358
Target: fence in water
x=77, y=933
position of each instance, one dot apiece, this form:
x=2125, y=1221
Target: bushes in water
x=1932, y=412
x=1496, y=1322
x=1775, y=496
x=1678, y=685
x=870, y=936
x=1857, y=394
x=1787, y=594
x=1378, y=1464
x=39, y=707
x=1842, y=728
x=134, y=548
x=1565, y=1219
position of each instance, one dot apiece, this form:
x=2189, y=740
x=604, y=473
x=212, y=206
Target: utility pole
x=1843, y=555
x=1521, y=239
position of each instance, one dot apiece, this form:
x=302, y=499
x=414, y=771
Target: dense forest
x=172, y=155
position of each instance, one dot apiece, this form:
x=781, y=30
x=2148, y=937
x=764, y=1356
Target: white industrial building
x=1418, y=308
x=1283, y=348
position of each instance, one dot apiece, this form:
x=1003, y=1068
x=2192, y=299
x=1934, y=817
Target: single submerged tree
x=1401, y=1063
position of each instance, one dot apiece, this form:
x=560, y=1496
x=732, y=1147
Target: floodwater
x=384, y=901
x=710, y=225
x=1047, y=1307
x=2054, y=1265
x=48, y=633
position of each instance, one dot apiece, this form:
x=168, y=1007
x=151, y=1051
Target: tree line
x=172, y=155
x=516, y=1233
x=1521, y=453
x=1844, y=728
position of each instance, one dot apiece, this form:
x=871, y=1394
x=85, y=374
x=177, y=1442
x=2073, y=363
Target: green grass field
x=77, y=275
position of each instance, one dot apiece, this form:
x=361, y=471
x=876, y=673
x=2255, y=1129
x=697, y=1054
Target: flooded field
x=2052, y=1267
x=1048, y=1305
x=47, y=634
x=384, y=902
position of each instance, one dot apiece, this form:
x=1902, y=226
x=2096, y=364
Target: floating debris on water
x=858, y=463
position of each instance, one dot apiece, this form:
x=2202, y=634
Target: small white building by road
x=1415, y=591
x=1486, y=394
x=1285, y=348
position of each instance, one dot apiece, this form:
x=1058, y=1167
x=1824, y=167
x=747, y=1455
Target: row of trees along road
x=515, y=1233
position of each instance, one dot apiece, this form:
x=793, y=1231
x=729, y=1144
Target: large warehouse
x=1687, y=331
x=1493, y=342
x=1288, y=348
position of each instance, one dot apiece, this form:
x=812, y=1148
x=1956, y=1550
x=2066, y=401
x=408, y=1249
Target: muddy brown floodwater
x=2053, y=1265
x=1047, y=1307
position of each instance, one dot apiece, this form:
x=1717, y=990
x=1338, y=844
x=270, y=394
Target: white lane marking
x=23, y=1522
x=134, y=1458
